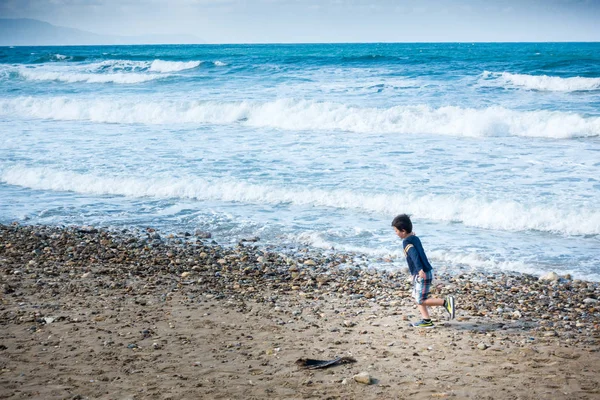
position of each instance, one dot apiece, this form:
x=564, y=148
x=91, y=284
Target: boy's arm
x=413, y=254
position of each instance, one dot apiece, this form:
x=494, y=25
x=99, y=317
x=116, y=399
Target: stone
x=363, y=378
x=482, y=346
x=202, y=234
x=550, y=276
x=310, y=263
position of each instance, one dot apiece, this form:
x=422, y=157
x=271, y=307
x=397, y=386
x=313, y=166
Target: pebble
x=550, y=276
x=363, y=378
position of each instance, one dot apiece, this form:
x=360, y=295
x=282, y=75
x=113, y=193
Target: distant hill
x=32, y=32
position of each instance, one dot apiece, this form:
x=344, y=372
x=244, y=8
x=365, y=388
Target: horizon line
x=304, y=43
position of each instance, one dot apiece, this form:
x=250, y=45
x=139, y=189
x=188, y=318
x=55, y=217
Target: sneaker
x=422, y=324
x=450, y=306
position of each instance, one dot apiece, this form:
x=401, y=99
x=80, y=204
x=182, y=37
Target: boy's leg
x=423, y=310
x=432, y=302
x=448, y=304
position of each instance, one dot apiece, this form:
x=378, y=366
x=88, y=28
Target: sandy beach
x=93, y=314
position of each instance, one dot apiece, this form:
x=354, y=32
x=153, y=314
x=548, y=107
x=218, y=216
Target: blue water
x=494, y=149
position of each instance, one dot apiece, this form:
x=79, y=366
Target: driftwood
x=309, y=363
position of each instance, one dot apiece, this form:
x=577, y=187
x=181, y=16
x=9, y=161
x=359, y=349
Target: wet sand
x=87, y=313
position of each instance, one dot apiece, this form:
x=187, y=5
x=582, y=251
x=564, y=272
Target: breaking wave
x=119, y=77
x=288, y=114
x=172, y=66
x=507, y=215
x=542, y=82
x=108, y=71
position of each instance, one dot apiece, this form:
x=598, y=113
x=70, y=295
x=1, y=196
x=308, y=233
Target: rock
x=482, y=346
x=185, y=274
x=86, y=275
x=550, y=276
x=88, y=229
x=202, y=234
x=310, y=263
x=251, y=240
x=590, y=301
x=363, y=378
x=348, y=323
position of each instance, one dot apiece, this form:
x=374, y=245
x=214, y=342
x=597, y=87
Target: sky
x=301, y=21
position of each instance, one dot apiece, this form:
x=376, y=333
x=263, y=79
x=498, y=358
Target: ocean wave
x=54, y=57
x=172, y=66
x=108, y=71
x=111, y=66
x=288, y=114
x=75, y=77
x=506, y=215
x=543, y=82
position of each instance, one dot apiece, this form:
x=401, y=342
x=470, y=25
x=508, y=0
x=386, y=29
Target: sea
x=493, y=149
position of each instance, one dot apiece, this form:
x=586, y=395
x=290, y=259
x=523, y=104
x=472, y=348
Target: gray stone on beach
x=202, y=234
x=363, y=378
x=550, y=276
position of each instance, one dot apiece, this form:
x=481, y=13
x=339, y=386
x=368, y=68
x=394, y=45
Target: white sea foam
x=172, y=66
x=219, y=63
x=74, y=77
x=289, y=114
x=543, y=82
x=479, y=212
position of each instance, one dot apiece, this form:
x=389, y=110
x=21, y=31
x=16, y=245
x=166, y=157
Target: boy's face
x=401, y=234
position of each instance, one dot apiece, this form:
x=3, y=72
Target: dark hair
x=402, y=223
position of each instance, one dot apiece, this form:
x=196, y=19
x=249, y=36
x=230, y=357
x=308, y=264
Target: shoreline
x=123, y=307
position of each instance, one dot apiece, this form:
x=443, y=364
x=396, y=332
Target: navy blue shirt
x=415, y=255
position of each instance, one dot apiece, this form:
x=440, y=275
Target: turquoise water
x=494, y=149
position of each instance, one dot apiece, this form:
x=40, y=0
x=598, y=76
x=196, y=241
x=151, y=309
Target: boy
x=421, y=271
